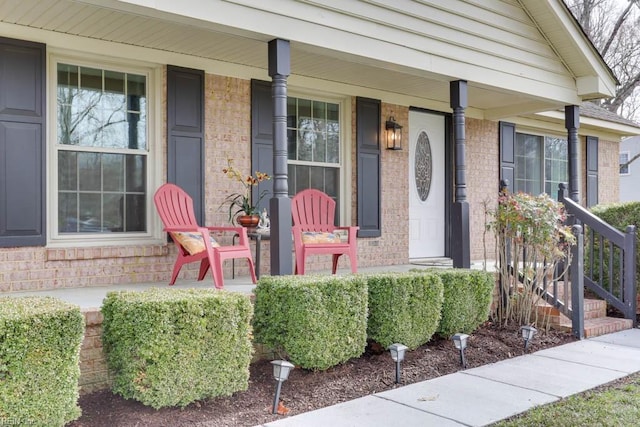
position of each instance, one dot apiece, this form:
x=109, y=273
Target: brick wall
x=482, y=160
x=392, y=247
x=94, y=374
x=608, y=172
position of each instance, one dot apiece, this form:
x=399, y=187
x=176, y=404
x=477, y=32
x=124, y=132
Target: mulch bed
x=306, y=390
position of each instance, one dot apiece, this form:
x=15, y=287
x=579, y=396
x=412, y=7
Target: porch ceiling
x=165, y=32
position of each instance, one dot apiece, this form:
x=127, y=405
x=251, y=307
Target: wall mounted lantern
x=460, y=341
x=397, y=354
x=394, y=134
x=281, y=369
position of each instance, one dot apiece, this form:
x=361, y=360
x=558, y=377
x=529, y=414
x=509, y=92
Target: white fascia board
x=618, y=129
x=556, y=127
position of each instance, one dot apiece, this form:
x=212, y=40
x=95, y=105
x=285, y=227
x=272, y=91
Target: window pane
x=302, y=178
x=67, y=212
x=316, y=177
x=90, y=213
x=136, y=212
x=292, y=144
x=307, y=139
x=320, y=148
x=67, y=170
x=113, y=172
x=89, y=171
x=113, y=212
x=136, y=173
x=91, y=79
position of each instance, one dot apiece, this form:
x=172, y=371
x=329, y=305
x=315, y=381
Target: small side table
x=258, y=237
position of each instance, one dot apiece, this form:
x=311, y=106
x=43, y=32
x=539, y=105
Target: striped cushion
x=319, y=237
x=192, y=242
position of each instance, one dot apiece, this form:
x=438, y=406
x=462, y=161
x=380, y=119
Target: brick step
x=599, y=326
x=593, y=309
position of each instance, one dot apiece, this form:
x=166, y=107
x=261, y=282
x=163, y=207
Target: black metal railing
x=603, y=260
x=607, y=263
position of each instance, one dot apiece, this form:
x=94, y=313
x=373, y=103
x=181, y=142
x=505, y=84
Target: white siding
x=629, y=188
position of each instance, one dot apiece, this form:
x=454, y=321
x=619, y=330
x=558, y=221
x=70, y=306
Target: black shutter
x=592, y=171
x=22, y=143
x=368, y=168
x=185, y=133
x=262, y=137
x=508, y=154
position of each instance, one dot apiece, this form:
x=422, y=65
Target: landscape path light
x=460, y=341
x=397, y=354
x=528, y=333
x=281, y=369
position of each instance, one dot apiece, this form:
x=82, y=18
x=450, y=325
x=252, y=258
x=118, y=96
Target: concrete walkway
x=489, y=393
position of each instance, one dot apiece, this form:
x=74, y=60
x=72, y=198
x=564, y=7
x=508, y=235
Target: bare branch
x=616, y=28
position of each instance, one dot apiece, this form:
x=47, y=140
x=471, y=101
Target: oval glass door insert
x=423, y=166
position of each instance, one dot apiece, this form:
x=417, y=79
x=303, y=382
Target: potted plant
x=242, y=209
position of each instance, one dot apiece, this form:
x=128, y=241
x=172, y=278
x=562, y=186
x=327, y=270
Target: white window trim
x=628, y=153
x=345, y=148
x=153, y=73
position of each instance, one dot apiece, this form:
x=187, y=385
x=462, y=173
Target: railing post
x=630, y=273
x=577, y=283
x=504, y=259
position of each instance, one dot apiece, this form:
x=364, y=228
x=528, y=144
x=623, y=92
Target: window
x=101, y=152
x=313, y=137
x=541, y=163
x=624, y=160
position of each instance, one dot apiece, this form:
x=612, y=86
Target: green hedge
x=467, y=300
x=619, y=215
x=404, y=307
x=170, y=347
x=40, y=341
x=319, y=321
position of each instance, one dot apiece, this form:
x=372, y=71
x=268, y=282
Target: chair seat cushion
x=320, y=237
x=192, y=242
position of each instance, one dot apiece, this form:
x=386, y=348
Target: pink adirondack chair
x=195, y=243
x=313, y=230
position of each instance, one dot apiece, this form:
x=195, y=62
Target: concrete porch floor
x=92, y=297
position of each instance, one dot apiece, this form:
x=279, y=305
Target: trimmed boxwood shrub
x=171, y=347
x=404, y=307
x=40, y=341
x=318, y=321
x=467, y=300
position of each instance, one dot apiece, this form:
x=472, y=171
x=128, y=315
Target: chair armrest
x=240, y=231
x=183, y=228
x=351, y=229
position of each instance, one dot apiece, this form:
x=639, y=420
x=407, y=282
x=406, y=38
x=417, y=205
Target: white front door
x=426, y=185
